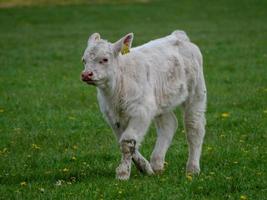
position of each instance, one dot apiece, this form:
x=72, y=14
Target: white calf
x=146, y=84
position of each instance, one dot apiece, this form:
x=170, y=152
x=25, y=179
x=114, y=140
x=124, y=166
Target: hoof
x=149, y=170
x=157, y=166
x=122, y=173
x=143, y=165
x=192, y=169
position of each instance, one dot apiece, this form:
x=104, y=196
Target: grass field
x=54, y=143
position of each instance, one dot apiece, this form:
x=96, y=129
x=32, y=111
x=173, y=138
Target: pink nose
x=87, y=75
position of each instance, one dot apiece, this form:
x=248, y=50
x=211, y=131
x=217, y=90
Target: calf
x=145, y=83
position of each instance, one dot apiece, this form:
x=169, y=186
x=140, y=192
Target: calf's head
x=100, y=58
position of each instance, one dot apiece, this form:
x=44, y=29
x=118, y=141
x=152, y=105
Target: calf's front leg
x=123, y=171
x=129, y=142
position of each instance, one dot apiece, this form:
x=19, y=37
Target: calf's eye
x=104, y=60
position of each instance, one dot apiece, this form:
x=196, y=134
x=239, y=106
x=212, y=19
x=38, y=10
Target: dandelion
x=73, y=158
x=35, y=146
x=23, y=183
x=243, y=197
x=189, y=177
x=2, y=110
x=65, y=170
x=225, y=114
x=209, y=148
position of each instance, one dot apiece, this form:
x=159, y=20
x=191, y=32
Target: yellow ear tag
x=125, y=49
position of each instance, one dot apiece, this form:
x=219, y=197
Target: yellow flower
x=243, y=197
x=65, y=170
x=35, y=146
x=1, y=110
x=75, y=147
x=73, y=158
x=209, y=148
x=189, y=177
x=225, y=114
x=23, y=183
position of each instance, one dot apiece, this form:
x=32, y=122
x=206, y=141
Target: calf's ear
x=124, y=44
x=93, y=38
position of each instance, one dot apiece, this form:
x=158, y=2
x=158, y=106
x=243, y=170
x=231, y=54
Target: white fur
x=147, y=84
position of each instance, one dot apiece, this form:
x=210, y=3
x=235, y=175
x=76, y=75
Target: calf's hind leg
x=141, y=163
x=194, y=120
x=166, y=125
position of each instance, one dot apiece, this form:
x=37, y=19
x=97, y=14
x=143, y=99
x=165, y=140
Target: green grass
x=48, y=116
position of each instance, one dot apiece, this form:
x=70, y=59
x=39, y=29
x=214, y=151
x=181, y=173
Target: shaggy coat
x=145, y=85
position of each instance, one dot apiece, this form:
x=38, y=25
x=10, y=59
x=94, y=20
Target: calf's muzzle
x=87, y=76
